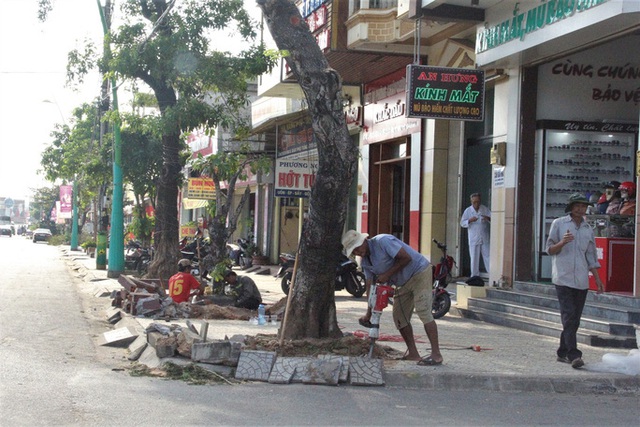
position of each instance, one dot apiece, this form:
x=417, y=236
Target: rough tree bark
x=167, y=227
x=312, y=312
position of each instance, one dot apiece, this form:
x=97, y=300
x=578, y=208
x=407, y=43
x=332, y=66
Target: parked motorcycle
x=347, y=277
x=441, y=278
x=240, y=255
x=287, y=262
x=137, y=257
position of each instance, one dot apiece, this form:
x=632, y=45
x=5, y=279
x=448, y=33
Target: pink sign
x=66, y=201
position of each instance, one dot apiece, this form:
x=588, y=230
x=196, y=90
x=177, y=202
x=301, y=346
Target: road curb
x=511, y=383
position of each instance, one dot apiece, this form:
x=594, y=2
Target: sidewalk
x=509, y=359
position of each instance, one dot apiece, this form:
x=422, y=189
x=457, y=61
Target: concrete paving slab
x=322, y=372
x=114, y=315
x=283, y=370
x=149, y=358
x=101, y=293
x=344, y=369
x=216, y=352
x=365, y=371
x=120, y=337
x=255, y=365
x=137, y=347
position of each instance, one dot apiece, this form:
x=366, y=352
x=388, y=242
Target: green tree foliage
x=76, y=153
x=228, y=168
x=42, y=202
x=167, y=46
x=141, y=167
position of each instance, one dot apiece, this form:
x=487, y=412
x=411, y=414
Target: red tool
x=379, y=295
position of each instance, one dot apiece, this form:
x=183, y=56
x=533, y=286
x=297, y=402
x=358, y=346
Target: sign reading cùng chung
x=445, y=93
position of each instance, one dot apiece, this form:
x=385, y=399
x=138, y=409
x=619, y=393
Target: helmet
x=602, y=199
x=629, y=187
x=612, y=184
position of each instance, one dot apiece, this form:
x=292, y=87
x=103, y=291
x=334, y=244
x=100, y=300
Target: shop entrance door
x=477, y=179
x=389, y=191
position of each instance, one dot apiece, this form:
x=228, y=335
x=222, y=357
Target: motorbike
x=137, y=257
x=287, y=262
x=441, y=278
x=195, y=252
x=347, y=277
x=240, y=254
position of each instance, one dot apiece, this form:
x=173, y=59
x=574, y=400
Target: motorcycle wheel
x=286, y=282
x=441, y=305
x=356, y=284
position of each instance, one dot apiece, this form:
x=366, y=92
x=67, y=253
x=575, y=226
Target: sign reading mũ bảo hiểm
x=445, y=93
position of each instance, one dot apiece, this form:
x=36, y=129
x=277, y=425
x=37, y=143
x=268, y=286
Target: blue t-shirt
x=383, y=249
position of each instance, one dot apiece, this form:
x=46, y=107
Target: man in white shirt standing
x=477, y=219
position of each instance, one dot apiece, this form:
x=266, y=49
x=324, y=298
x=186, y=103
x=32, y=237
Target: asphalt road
x=52, y=373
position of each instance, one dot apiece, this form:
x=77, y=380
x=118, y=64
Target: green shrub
x=58, y=240
x=88, y=244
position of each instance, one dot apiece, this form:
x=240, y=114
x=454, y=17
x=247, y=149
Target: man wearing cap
x=386, y=259
x=183, y=285
x=572, y=247
x=244, y=290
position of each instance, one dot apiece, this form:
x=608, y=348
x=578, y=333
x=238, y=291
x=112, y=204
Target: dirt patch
x=348, y=345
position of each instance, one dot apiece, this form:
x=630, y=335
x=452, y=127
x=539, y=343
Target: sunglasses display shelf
x=583, y=163
x=579, y=161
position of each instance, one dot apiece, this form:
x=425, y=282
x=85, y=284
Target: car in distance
x=41, y=235
x=5, y=230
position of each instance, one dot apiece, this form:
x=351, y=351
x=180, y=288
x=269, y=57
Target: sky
x=33, y=96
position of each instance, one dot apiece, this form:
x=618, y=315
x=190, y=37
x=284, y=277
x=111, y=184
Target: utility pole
x=74, y=224
x=116, y=240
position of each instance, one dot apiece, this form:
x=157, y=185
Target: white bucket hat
x=351, y=240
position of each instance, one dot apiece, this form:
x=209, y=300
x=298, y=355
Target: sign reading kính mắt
x=445, y=93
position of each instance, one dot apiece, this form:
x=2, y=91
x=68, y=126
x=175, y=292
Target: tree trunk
x=165, y=262
x=312, y=312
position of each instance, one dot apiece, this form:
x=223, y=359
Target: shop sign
x=307, y=7
x=445, y=93
x=587, y=126
x=201, y=188
x=541, y=15
x=295, y=177
x=317, y=19
x=296, y=159
x=385, y=120
x=188, y=230
x=353, y=115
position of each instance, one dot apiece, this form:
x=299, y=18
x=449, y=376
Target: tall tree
x=312, y=306
x=76, y=154
x=141, y=165
x=167, y=45
x=226, y=169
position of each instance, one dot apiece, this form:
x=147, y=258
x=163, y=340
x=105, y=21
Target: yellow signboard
x=201, y=188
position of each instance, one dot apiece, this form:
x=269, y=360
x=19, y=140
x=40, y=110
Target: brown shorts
x=416, y=293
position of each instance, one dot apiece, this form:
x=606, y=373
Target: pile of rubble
x=148, y=298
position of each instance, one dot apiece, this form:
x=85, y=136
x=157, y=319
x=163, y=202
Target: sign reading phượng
x=445, y=93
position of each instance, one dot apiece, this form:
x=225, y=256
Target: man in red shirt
x=183, y=283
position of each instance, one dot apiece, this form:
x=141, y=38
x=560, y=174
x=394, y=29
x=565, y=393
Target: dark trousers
x=571, y=304
x=250, y=303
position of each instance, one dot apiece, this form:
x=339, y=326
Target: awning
x=194, y=203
